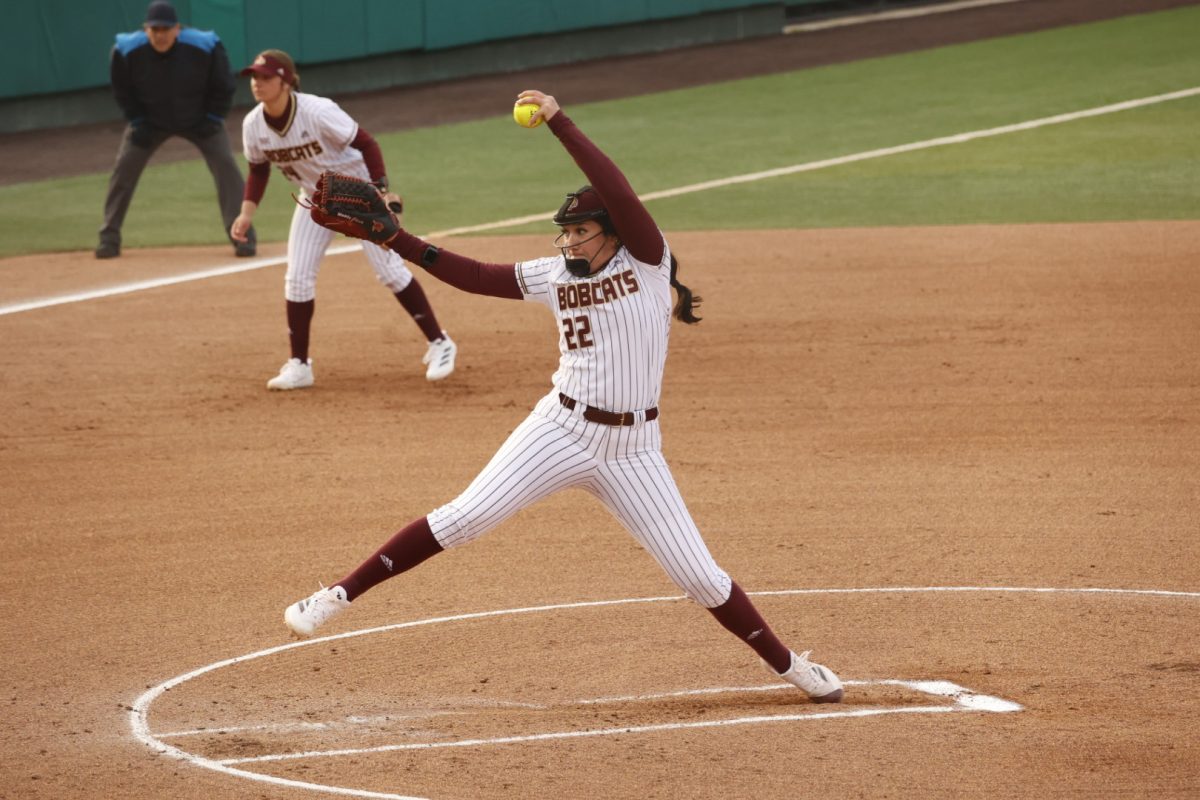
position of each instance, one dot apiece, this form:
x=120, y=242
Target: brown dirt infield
x=941, y=407
x=975, y=406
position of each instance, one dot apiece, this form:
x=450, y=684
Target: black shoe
x=245, y=250
x=108, y=250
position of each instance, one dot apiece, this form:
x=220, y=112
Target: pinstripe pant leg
x=389, y=267
x=538, y=459
x=637, y=487
x=307, y=242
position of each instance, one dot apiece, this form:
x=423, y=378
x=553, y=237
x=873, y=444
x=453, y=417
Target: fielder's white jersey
x=315, y=139
x=613, y=327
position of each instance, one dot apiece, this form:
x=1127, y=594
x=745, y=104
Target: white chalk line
x=928, y=687
x=139, y=711
x=885, y=16
x=941, y=141
x=988, y=589
x=794, y=169
x=961, y=695
x=358, y=721
x=308, y=727
x=964, y=699
x=586, y=734
x=158, y=283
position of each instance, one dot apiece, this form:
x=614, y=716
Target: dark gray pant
x=131, y=160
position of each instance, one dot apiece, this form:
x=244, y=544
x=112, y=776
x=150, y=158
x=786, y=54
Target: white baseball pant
x=556, y=448
x=307, y=242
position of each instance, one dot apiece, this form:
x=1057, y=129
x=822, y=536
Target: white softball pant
x=556, y=448
x=307, y=242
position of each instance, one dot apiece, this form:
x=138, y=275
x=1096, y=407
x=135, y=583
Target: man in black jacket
x=171, y=82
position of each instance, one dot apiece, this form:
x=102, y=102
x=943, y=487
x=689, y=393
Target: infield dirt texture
x=940, y=418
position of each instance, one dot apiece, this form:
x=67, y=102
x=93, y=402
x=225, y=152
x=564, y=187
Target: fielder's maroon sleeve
x=372, y=155
x=494, y=280
x=256, y=182
x=633, y=222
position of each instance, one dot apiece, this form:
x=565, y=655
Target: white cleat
x=440, y=357
x=305, y=616
x=295, y=374
x=816, y=681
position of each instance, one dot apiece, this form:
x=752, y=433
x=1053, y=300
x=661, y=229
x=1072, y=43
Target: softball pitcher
x=304, y=135
x=597, y=429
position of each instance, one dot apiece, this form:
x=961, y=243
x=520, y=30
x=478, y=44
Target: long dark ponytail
x=687, y=301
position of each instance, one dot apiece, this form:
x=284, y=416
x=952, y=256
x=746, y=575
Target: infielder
x=304, y=135
x=597, y=429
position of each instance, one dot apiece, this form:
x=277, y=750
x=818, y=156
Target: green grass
x=1138, y=164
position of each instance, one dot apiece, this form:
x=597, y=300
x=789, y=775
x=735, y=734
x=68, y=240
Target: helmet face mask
x=578, y=266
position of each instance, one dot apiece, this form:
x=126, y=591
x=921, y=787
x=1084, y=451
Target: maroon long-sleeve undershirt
x=372, y=155
x=633, y=222
x=256, y=182
x=477, y=277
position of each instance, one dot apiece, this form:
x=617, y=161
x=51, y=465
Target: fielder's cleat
x=305, y=616
x=816, y=681
x=440, y=357
x=295, y=374
x=245, y=250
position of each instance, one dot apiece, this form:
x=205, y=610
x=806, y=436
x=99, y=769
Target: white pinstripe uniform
x=317, y=138
x=614, y=326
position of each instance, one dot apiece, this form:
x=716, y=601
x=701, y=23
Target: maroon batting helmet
x=582, y=205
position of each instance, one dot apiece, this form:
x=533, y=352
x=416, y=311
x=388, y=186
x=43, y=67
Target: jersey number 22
x=577, y=331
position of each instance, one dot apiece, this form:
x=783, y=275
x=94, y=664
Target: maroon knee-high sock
x=739, y=616
x=299, y=320
x=413, y=298
x=409, y=547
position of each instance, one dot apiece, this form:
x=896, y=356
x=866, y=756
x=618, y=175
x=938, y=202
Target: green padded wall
x=58, y=45
x=64, y=45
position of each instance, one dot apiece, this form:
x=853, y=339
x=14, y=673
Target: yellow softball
x=523, y=112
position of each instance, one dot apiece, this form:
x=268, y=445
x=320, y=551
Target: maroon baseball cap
x=266, y=66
